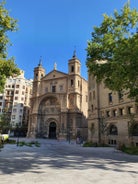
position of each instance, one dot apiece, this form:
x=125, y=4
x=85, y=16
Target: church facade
x=59, y=103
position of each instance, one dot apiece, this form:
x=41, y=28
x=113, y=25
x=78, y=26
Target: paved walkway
x=58, y=162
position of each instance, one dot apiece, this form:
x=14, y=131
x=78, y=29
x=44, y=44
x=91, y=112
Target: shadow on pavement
x=61, y=155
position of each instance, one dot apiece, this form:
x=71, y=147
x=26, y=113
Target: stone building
x=112, y=116
x=59, y=103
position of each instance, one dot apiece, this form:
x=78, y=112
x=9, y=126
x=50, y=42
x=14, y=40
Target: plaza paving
x=58, y=162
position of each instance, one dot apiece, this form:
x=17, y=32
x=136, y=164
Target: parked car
x=4, y=137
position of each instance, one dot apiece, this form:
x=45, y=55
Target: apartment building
x=15, y=101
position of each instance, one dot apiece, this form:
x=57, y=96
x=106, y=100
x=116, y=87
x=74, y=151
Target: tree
x=112, y=53
x=7, y=65
x=4, y=123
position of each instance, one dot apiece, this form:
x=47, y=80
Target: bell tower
x=74, y=65
x=39, y=72
x=74, y=82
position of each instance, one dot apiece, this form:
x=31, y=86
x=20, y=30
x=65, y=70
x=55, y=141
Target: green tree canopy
x=7, y=65
x=112, y=53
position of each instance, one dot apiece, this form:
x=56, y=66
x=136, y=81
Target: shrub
x=130, y=150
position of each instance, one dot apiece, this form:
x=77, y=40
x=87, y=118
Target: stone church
x=59, y=104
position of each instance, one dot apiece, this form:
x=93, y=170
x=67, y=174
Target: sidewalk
x=58, y=162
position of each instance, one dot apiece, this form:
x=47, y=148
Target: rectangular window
x=72, y=68
x=16, y=92
x=110, y=97
x=108, y=113
x=16, y=98
x=115, y=112
x=121, y=111
x=8, y=92
x=0, y=103
x=12, y=92
x=13, y=116
x=53, y=89
x=130, y=110
x=20, y=117
x=120, y=95
x=17, y=86
x=92, y=107
x=72, y=82
x=14, y=110
x=78, y=83
x=61, y=88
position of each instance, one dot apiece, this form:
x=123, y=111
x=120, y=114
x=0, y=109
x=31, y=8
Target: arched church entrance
x=52, y=130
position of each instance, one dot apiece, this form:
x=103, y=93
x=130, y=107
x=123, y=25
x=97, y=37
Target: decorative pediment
x=54, y=75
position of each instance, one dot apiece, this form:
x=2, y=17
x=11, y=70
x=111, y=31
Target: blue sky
x=54, y=28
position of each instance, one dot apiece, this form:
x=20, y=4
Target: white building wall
x=16, y=95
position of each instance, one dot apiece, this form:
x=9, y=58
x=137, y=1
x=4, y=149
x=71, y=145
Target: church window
x=78, y=83
x=72, y=68
x=114, y=112
x=53, y=89
x=92, y=107
x=72, y=82
x=36, y=76
x=61, y=87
